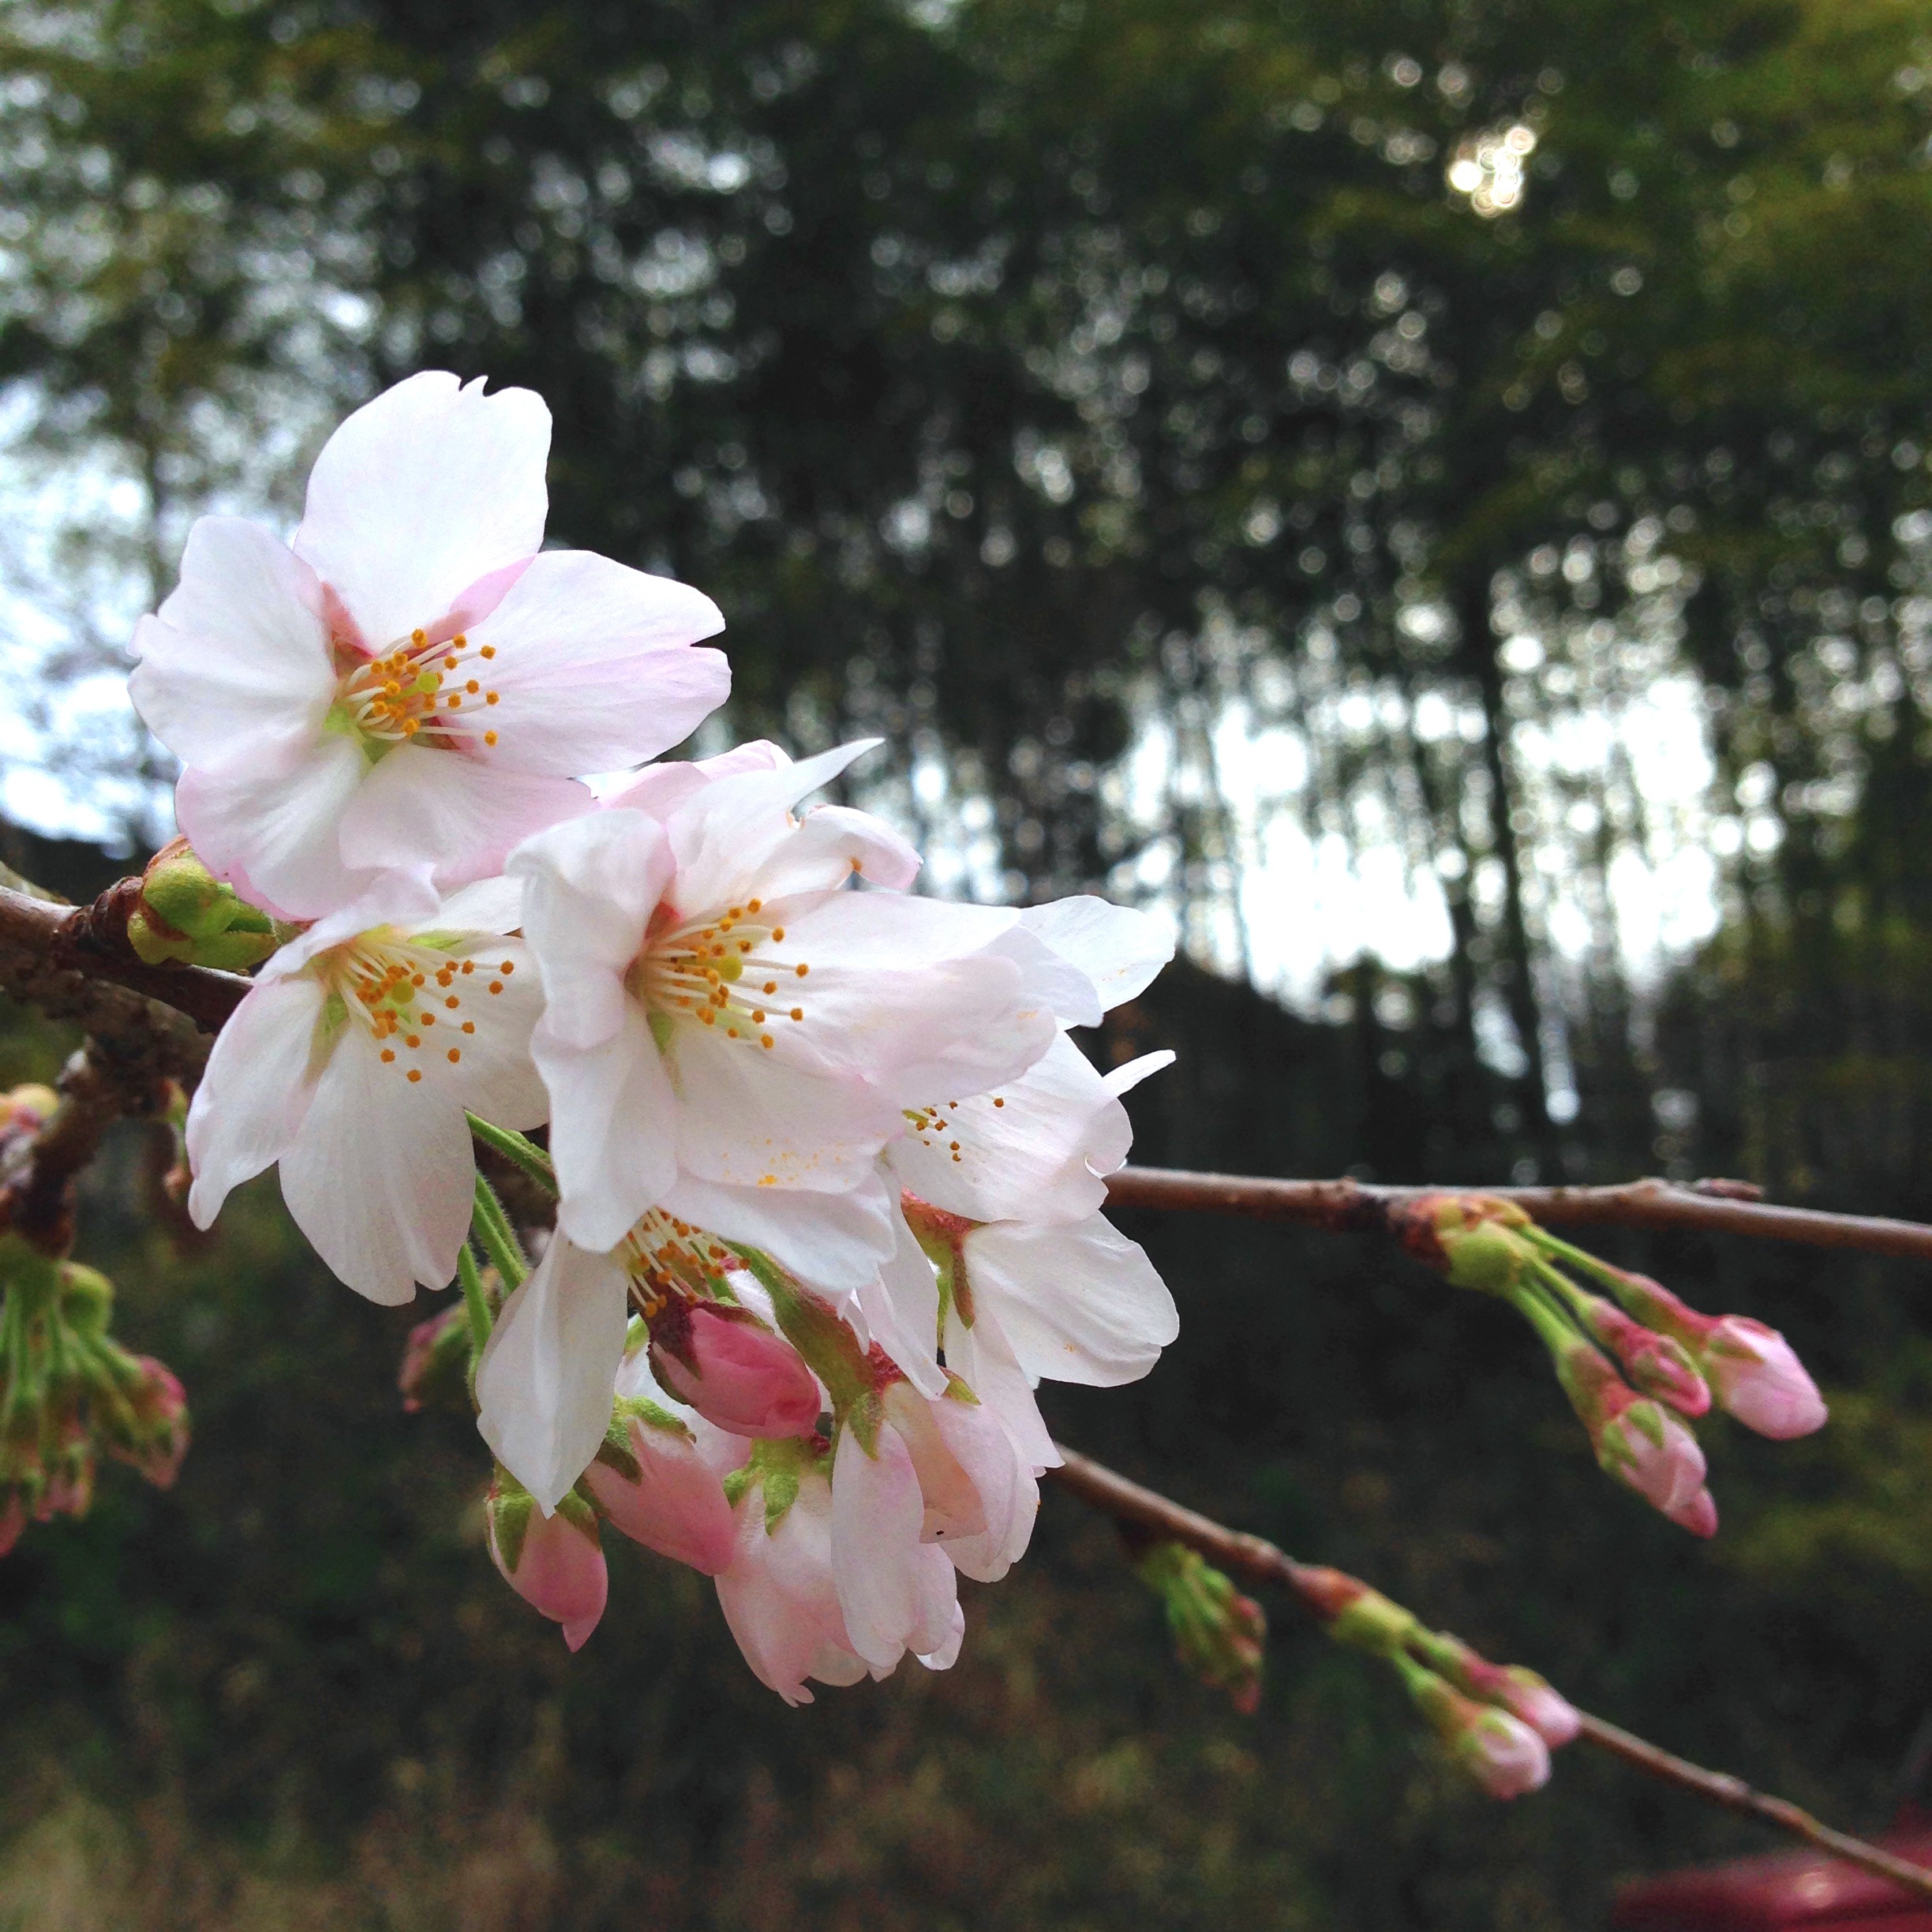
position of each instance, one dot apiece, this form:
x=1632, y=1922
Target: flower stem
x=477, y=1304
x=492, y=1228
x=519, y=1152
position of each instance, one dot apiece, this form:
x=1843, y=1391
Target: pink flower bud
x=555, y=1562
x=1655, y=1455
x=724, y=1363
x=1546, y=1711
x=160, y=1407
x=659, y=1491
x=1659, y=1365
x=1502, y=1753
x=435, y=1360
x=1758, y=1377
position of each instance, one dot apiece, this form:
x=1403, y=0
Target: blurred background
x=1429, y=496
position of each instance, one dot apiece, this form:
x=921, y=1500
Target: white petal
x=592, y=668
x=449, y=813
x=1080, y=1304
x=1029, y=1150
x=490, y=905
x=238, y=651
x=269, y=820
x=832, y=844
x=877, y=1513
x=544, y=1385
x=833, y=1241
x=381, y=1175
x=749, y=1118
x=494, y=1075
x=1057, y=983
x=391, y=899
x=725, y=833
x=611, y=1111
x=907, y=995
x=590, y=887
x=1119, y=950
x=421, y=492
x=1122, y=1080
x=984, y=1359
x=901, y=1308
x=253, y=1092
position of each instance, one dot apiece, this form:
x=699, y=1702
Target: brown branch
x=1723, y=1206
x=147, y=1026
x=1256, y=1560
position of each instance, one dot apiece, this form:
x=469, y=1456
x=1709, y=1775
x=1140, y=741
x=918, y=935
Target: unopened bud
x=650, y=1480
x=1500, y=1751
x=1221, y=1635
x=1758, y=1378
x=435, y=1370
x=555, y=1562
x=723, y=1361
x=1521, y=1692
x=1658, y=1365
x=187, y=917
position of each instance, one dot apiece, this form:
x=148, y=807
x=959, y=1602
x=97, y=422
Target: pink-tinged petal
x=1756, y=1375
x=1009, y=1495
x=475, y=601
x=726, y=834
x=1080, y=1304
x=425, y=489
x=1032, y=1149
x=939, y=1625
x=737, y=1374
x=254, y=1092
x=746, y=1118
x=661, y=789
x=274, y=814
x=900, y=1305
x=239, y=652
x=1119, y=951
x=951, y=1504
x=450, y=815
x=560, y=1571
x=610, y=1113
x=392, y=899
x=833, y=844
x=379, y=1175
x=593, y=668
x=589, y=888
x=543, y=1383
x=778, y=1598
x=876, y=1515
x=984, y=1359
x=674, y=1504
x=835, y=1241
x=1503, y=1754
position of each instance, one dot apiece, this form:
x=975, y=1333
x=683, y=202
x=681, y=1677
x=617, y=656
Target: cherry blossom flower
x=1503, y=1753
x=409, y=685
x=1756, y=1375
x=731, y=1036
x=351, y=1063
x=777, y=1594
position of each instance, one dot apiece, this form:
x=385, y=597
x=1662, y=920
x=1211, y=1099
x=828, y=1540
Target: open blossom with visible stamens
x=351, y=1063
x=410, y=685
x=731, y=1036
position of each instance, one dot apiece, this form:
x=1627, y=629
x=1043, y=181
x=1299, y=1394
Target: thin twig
x=1725, y=1207
x=1255, y=1559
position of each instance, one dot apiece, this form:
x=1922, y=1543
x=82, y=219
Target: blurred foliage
x=1027, y=381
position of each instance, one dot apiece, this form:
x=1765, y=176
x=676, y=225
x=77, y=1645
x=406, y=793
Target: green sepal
x=86, y=1300
x=510, y=1515
x=830, y=1349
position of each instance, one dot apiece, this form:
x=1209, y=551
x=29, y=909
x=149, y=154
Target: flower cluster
x=69, y=1392
x=829, y=1168
x=1639, y=1369
x=1499, y=1721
